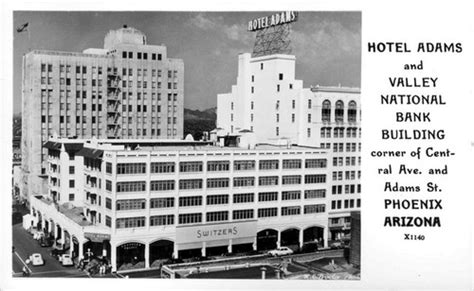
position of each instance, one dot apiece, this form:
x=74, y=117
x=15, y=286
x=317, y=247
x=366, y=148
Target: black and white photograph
x=220, y=145
x=187, y=145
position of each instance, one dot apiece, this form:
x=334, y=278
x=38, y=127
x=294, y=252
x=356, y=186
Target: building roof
x=335, y=89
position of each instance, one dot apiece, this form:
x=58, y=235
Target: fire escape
x=113, y=102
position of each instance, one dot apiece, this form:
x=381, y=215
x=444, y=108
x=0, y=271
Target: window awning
x=90, y=153
x=52, y=145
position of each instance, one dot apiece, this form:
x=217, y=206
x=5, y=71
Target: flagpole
x=29, y=41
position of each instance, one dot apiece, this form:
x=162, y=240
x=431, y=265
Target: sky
x=327, y=45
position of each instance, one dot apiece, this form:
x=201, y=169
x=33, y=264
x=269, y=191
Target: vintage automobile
x=36, y=260
x=66, y=260
x=281, y=251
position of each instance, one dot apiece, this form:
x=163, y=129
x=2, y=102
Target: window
x=313, y=179
x=280, y=76
x=261, y=66
x=267, y=196
x=326, y=111
x=242, y=214
x=190, y=166
x=108, y=185
x=217, y=216
x=216, y=166
x=291, y=180
x=71, y=183
x=164, y=185
x=71, y=196
x=291, y=195
x=190, y=201
x=315, y=208
x=268, y=164
x=313, y=194
x=217, y=199
x=130, y=204
x=163, y=167
x=130, y=222
x=162, y=220
x=218, y=183
x=244, y=181
x=268, y=181
x=135, y=186
x=267, y=212
x=108, y=168
x=315, y=163
x=290, y=210
x=190, y=184
x=244, y=165
x=291, y=164
x=352, y=112
x=129, y=168
x=339, y=112
x=108, y=203
x=190, y=218
x=166, y=202
x=243, y=198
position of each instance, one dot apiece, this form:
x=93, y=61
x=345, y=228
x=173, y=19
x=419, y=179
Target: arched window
x=352, y=112
x=339, y=112
x=326, y=111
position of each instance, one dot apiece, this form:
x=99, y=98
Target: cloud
x=202, y=22
x=216, y=25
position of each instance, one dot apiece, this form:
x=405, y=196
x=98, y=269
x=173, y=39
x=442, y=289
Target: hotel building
x=142, y=201
x=128, y=89
x=269, y=101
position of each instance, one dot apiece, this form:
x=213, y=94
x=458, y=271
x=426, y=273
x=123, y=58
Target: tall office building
x=270, y=102
x=128, y=89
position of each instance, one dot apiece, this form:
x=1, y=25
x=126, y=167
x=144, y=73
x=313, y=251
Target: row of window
x=220, y=166
x=349, y=175
x=348, y=189
x=190, y=218
x=339, y=132
x=141, y=56
x=348, y=203
x=169, y=202
x=339, y=111
x=186, y=184
x=350, y=161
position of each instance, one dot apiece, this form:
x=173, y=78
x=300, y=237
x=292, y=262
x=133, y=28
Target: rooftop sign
x=273, y=20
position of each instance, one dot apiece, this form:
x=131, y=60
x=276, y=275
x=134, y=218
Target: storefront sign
x=273, y=20
x=96, y=237
x=221, y=231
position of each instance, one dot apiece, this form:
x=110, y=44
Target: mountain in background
x=196, y=121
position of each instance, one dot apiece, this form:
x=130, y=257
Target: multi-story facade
x=147, y=200
x=128, y=89
x=270, y=102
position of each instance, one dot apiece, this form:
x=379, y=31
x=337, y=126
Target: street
x=25, y=245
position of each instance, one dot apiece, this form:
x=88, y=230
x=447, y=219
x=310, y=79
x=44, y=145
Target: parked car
x=66, y=260
x=57, y=253
x=36, y=260
x=45, y=242
x=281, y=251
x=37, y=235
